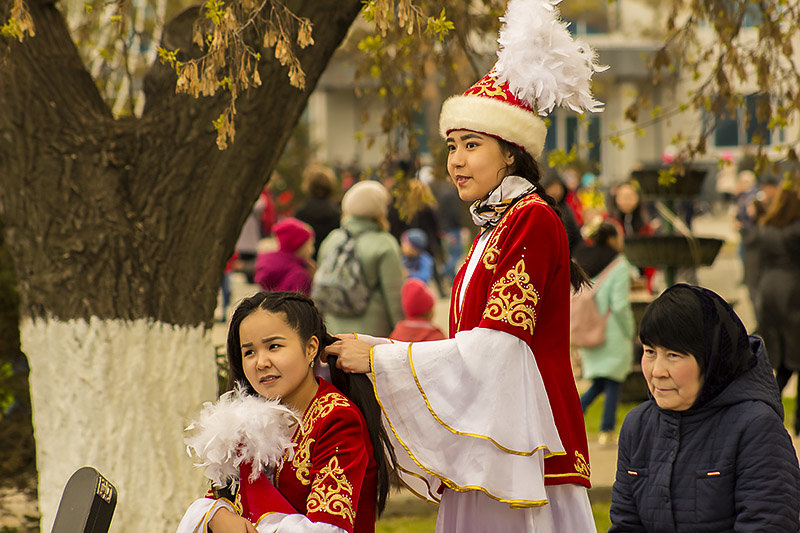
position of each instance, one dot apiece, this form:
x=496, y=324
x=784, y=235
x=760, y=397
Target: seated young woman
x=708, y=451
x=327, y=477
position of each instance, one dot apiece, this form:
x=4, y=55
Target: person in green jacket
x=364, y=210
x=608, y=364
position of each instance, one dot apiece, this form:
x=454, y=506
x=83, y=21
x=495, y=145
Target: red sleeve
x=260, y=497
x=527, y=254
x=340, y=458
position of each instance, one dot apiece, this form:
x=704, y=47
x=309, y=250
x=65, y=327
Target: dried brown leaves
x=232, y=36
x=19, y=22
x=732, y=49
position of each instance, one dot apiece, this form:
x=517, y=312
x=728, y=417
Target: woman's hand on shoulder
x=352, y=355
x=225, y=521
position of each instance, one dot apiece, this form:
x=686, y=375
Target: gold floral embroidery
x=581, y=465
x=319, y=408
x=302, y=459
x=527, y=200
x=332, y=492
x=513, y=299
x=492, y=252
x=322, y=407
x=237, y=504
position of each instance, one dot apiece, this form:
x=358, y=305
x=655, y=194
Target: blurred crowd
x=417, y=234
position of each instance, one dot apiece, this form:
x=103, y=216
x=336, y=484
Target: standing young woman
x=488, y=422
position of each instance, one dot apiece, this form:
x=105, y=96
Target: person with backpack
x=606, y=361
x=488, y=422
x=359, y=267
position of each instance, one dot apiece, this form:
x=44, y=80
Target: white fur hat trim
x=494, y=117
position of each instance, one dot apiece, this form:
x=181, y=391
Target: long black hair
x=525, y=166
x=304, y=317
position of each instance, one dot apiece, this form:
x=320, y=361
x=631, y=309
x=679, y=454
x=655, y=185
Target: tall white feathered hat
x=539, y=66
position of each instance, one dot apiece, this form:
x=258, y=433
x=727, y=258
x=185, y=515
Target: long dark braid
x=359, y=389
x=304, y=317
x=525, y=166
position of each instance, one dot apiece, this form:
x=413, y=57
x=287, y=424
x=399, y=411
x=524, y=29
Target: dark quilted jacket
x=727, y=466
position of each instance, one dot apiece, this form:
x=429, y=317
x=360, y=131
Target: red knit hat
x=292, y=234
x=416, y=297
x=539, y=66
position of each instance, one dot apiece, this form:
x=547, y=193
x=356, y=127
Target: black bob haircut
x=674, y=321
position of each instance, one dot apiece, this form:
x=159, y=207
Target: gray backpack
x=339, y=286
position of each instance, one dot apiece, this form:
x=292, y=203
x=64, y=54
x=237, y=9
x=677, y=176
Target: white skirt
x=568, y=511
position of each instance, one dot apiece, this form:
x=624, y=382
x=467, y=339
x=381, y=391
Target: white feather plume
x=541, y=61
x=240, y=428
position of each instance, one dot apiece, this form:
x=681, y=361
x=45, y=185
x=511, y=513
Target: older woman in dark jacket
x=708, y=451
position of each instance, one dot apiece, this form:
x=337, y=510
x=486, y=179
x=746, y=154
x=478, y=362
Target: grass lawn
x=407, y=524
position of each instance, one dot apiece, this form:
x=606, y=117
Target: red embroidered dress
x=333, y=475
x=330, y=479
x=494, y=409
x=520, y=290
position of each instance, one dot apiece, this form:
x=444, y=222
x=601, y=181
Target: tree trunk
x=120, y=230
x=17, y=459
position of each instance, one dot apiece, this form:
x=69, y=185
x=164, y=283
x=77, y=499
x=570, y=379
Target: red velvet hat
x=539, y=66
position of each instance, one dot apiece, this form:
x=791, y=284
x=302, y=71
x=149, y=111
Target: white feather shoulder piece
x=240, y=428
x=542, y=62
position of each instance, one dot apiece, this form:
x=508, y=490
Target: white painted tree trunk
x=117, y=395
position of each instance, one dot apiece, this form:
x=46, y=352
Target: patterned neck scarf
x=488, y=212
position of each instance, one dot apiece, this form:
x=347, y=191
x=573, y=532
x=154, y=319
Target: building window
x=551, y=140
x=593, y=134
x=571, y=123
x=567, y=132
x=734, y=129
x=727, y=131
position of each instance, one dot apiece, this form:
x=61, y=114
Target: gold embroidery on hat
x=486, y=87
x=331, y=492
x=513, y=299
